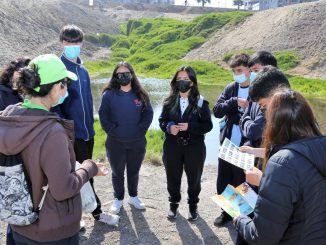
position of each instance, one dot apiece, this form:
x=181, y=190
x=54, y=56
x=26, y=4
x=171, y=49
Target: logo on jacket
x=137, y=102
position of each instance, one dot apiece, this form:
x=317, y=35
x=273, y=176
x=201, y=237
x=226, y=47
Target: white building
x=269, y=4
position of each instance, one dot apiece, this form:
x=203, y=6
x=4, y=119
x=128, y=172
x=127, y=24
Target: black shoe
x=172, y=214
x=222, y=219
x=193, y=214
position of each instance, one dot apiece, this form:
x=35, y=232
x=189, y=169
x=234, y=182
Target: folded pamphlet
x=236, y=201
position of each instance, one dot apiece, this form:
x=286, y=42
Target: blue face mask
x=252, y=76
x=240, y=78
x=72, y=52
x=62, y=98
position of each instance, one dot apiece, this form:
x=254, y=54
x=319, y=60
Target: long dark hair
x=9, y=70
x=135, y=84
x=171, y=103
x=288, y=118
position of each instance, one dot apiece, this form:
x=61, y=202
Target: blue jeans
x=21, y=240
x=10, y=239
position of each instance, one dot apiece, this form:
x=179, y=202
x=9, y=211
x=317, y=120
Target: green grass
x=155, y=48
x=153, y=150
x=227, y=56
x=287, y=59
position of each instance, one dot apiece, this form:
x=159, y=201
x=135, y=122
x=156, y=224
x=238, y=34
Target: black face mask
x=124, y=78
x=183, y=85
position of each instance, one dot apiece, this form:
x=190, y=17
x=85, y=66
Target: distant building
x=251, y=4
x=270, y=4
x=169, y=2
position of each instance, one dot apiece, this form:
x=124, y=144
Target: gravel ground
x=151, y=226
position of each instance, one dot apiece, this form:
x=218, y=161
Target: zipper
x=81, y=95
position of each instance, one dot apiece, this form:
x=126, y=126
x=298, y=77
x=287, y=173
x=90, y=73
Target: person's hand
x=183, y=126
x=243, y=103
x=253, y=176
x=234, y=220
x=174, y=129
x=102, y=170
x=258, y=152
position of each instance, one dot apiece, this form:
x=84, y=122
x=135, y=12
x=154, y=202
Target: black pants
x=228, y=174
x=22, y=240
x=84, y=150
x=191, y=158
x=123, y=155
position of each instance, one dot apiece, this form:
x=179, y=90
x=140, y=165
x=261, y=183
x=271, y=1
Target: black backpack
x=16, y=206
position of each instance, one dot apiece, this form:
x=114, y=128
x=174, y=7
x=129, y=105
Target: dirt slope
x=300, y=27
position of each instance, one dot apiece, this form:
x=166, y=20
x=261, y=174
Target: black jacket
x=291, y=205
x=227, y=106
x=199, y=122
x=8, y=97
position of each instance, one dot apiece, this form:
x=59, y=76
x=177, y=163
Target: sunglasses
x=124, y=74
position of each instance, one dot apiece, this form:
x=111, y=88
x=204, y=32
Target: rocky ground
x=151, y=227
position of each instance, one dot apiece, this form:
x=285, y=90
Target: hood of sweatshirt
x=314, y=149
x=20, y=126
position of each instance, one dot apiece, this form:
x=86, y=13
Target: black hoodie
x=291, y=205
x=8, y=97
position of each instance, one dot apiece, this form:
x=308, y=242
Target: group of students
x=55, y=118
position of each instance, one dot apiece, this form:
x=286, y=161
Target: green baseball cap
x=50, y=69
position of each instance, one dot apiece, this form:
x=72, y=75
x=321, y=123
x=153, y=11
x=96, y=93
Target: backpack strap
x=200, y=101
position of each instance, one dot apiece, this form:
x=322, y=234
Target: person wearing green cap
x=44, y=141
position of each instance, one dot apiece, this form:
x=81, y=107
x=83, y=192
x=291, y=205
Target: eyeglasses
x=66, y=82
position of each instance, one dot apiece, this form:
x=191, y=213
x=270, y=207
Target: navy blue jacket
x=227, y=106
x=291, y=205
x=78, y=106
x=123, y=116
x=252, y=125
x=8, y=97
x=199, y=122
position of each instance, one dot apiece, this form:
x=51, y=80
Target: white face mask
x=240, y=78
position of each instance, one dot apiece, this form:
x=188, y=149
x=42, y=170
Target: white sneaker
x=82, y=225
x=116, y=206
x=110, y=219
x=136, y=202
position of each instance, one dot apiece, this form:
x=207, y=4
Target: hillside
x=300, y=28
x=28, y=28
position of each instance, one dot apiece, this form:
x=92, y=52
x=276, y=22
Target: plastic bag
x=89, y=203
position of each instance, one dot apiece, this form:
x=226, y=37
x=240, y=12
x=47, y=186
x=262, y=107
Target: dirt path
x=151, y=226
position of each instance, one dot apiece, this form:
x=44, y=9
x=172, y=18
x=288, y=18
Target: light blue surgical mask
x=253, y=75
x=72, y=51
x=240, y=78
x=62, y=98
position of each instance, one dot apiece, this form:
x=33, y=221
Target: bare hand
x=243, y=103
x=258, y=152
x=174, y=129
x=253, y=176
x=102, y=170
x=183, y=126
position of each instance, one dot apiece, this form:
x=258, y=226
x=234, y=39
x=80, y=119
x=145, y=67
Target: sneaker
x=116, y=206
x=82, y=225
x=136, y=202
x=109, y=219
x=193, y=214
x=172, y=214
x=222, y=219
